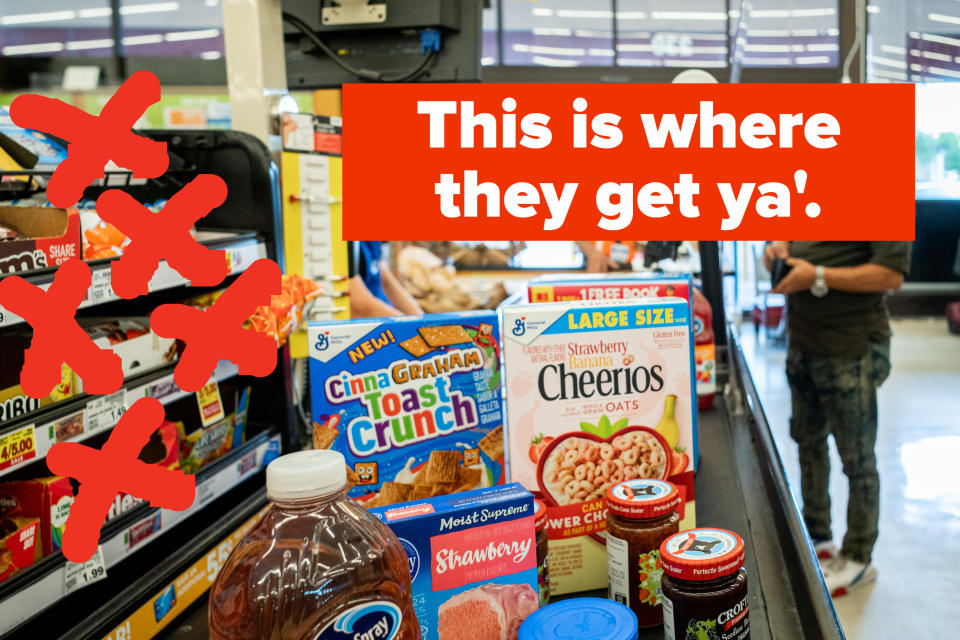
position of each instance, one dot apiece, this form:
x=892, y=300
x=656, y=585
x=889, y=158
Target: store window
x=557, y=33
x=664, y=33
x=55, y=28
x=182, y=29
x=788, y=33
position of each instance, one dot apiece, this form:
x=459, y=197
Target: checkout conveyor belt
x=741, y=486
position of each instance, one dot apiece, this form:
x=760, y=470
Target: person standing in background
x=838, y=355
x=375, y=291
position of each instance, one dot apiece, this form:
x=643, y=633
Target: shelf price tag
x=17, y=446
x=8, y=318
x=104, y=412
x=79, y=574
x=211, y=407
x=100, y=289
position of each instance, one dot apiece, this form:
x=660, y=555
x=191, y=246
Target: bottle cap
x=539, y=514
x=580, y=619
x=702, y=554
x=642, y=498
x=306, y=474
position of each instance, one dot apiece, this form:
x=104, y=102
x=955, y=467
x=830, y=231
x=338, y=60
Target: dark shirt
x=842, y=324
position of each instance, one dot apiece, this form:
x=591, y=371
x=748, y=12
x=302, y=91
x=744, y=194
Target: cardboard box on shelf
x=48, y=499
x=139, y=348
x=473, y=561
x=413, y=403
x=20, y=544
x=202, y=442
x=47, y=237
x=14, y=402
x=596, y=393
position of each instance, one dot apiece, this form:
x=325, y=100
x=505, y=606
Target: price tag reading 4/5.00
x=17, y=446
x=80, y=574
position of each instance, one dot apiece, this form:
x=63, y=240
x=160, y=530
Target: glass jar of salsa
x=543, y=561
x=641, y=514
x=704, y=585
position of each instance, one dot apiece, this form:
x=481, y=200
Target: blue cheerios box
x=413, y=403
x=473, y=561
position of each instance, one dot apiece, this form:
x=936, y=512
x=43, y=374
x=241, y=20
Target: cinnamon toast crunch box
x=413, y=403
x=597, y=393
x=473, y=561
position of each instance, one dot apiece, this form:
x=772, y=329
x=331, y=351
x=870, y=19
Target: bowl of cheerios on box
x=580, y=466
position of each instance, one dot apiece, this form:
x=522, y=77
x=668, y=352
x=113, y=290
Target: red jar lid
x=643, y=498
x=539, y=514
x=702, y=554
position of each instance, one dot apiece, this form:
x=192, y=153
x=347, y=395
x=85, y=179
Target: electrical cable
x=859, y=29
x=363, y=74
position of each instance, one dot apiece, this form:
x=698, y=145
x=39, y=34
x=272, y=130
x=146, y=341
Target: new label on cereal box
x=413, y=403
x=596, y=394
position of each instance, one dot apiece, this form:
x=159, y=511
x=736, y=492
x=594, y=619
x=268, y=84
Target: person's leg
x=848, y=391
x=808, y=428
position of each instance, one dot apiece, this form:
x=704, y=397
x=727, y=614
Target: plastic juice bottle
x=316, y=566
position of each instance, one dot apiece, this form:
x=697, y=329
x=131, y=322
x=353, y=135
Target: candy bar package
x=47, y=499
x=596, y=393
x=473, y=561
x=413, y=403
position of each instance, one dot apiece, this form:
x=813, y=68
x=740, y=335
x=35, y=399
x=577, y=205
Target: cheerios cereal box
x=597, y=393
x=413, y=403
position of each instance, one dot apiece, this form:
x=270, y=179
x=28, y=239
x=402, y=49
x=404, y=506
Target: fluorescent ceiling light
x=155, y=7
x=689, y=15
x=544, y=13
x=35, y=18
x=216, y=55
x=694, y=63
x=822, y=46
x=766, y=62
x=933, y=55
x=553, y=62
x=929, y=37
x=79, y=45
x=556, y=51
x=201, y=34
x=939, y=17
x=811, y=59
x=552, y=31
x=95, y=13
x=152, y=38
x=631, y=15
x=949, y=73
x=887, y=62
x=767, y=48
x=39, y=47
x=600, y=52
x=485, y=61
x=583, y=13
x=889, y=48
x=872, y=8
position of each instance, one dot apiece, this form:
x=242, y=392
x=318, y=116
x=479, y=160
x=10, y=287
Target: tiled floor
x=918, y=450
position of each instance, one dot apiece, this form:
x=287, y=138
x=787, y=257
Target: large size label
x=378, y=620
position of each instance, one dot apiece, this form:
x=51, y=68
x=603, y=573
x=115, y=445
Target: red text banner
x=629, y=161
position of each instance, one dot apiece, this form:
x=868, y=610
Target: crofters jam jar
x=641, y=514
x=543, y=561
x=704, y=585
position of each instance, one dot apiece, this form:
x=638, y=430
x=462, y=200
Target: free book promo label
x=575, y=161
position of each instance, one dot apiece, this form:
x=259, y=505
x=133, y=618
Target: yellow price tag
x=229, y=256
x=211, y=406
x=17, y=446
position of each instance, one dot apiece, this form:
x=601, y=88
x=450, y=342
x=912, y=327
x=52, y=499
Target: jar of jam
x=641, y=514
x=704, y=585
x=543, y=562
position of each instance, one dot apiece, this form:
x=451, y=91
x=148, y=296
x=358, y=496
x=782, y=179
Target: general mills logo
x=322, y=341
x=519, y=328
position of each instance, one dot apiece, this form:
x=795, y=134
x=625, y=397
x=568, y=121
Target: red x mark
x=57, y=338
x=154, y=236
x=103, y=473
x=218, y=334
x=94, y=140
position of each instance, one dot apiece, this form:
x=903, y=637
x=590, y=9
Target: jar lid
x=643, y=498
x=702, y=554
x=539, y=514
x=580, y=619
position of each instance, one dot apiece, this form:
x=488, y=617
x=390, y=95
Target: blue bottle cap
x=581, y=619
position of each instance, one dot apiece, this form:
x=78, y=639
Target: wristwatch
x=819, y=288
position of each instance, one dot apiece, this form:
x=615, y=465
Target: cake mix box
x=473, y=561
x=413, y=403
x=597, y=393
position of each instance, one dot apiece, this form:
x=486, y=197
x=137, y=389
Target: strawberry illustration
x=679, y=460
x=537, y=445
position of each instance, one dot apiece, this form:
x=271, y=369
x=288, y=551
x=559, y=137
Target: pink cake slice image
x=488, y=612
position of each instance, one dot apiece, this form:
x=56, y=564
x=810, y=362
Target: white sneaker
x=825, y=550
x=843, y=575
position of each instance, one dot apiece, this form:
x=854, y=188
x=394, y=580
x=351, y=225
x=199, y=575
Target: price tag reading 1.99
x=17, y=446
x=80, y=574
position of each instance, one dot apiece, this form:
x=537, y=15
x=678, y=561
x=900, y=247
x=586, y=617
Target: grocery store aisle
x=918, y=448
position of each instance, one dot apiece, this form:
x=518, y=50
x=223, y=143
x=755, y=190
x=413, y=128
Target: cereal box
x=596, y=393
x=473, y=561
x=413, y=403
x=602, y=286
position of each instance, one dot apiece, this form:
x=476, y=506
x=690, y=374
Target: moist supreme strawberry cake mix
x=597, y=393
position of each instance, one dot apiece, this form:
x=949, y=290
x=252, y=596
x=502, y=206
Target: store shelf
x=242, y=250
x=39, y=587
x=99, y=413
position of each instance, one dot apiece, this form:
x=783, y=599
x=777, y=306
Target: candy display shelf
x=46, y=585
